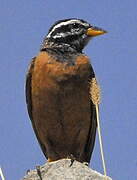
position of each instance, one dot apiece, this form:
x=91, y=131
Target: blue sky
x=23, y=24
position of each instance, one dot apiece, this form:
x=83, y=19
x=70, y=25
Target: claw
x=38, y=172
x=72, y=160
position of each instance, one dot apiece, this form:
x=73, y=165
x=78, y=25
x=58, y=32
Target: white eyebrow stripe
x=66, y=23
x=59, y=35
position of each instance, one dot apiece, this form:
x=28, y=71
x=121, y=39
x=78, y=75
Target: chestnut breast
x=60, y=98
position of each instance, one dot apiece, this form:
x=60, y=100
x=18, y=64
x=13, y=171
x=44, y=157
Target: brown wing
x=92, y=130
x=92, y=134
x=29, y=101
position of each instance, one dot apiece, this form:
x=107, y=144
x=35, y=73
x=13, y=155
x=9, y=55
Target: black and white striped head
x=71, y=32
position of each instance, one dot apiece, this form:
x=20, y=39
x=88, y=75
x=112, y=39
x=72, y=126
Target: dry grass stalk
x=95, y=97
x=1, y=174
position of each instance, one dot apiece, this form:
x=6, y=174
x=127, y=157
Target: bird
x=58, y=85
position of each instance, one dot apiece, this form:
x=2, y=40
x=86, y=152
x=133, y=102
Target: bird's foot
x=72, y=160
x=39, y=172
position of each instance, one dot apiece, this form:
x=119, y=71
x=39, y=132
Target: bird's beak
x=95, y=31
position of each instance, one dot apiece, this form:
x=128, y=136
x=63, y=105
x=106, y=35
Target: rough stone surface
x=61, y=170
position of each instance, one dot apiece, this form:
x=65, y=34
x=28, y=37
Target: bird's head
x=73, y=33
